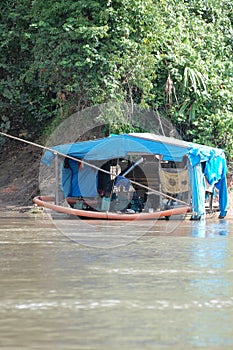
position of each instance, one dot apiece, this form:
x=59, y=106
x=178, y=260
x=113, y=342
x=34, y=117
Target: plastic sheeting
x=215, y=172
x=118, y=146
x=79, y=182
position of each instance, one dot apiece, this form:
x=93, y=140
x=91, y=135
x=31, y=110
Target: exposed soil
x=19, y=175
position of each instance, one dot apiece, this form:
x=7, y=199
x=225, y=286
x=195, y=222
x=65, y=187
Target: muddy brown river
x=109, y=286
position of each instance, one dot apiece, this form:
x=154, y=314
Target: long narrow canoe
x=46, y=202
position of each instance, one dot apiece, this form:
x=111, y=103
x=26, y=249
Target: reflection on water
x=166, y=289
x=211, y=228
x=111, y=233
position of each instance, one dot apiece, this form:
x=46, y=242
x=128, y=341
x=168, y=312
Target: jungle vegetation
x=174, y=56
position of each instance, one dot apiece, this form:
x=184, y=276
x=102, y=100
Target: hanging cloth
x=174, y=182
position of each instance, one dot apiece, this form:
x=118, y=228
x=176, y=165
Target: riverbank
x=19, y=175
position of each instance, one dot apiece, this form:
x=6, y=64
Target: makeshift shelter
x=202, y=162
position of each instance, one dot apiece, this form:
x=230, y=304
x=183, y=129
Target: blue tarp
x=79, y=183
x=119, y=146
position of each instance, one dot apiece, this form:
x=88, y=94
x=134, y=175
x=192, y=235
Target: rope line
x=89, y=164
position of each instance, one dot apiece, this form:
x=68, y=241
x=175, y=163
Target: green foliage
x=58, y=57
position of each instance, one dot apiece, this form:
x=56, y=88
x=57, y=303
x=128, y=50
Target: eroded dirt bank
x=19, y=174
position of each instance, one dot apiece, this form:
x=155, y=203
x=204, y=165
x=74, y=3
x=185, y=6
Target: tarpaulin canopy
x=170, y=149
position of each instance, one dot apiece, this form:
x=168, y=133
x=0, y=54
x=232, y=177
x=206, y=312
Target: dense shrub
x=175, y=56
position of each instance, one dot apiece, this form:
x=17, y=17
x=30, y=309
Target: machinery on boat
x=135, y=176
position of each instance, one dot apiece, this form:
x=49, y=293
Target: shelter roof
x=119, y=146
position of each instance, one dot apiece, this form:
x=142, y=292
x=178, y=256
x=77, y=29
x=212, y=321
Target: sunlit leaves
x=173, y=55
x=194, y=79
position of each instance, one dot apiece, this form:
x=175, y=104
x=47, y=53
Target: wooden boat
x=86, y=172
x=48, y=202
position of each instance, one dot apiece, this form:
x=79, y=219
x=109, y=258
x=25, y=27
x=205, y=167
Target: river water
x=163, y=289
